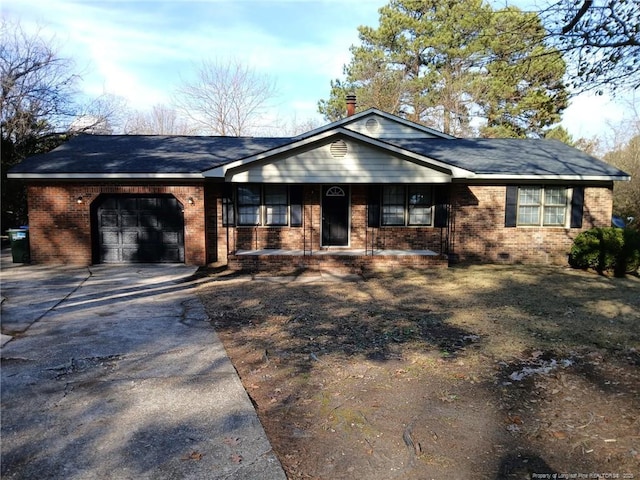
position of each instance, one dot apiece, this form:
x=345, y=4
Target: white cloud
x=589, y=115
x=141, y=50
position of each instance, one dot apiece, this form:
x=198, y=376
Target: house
x=369, y=191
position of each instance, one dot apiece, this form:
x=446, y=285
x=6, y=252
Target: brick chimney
x=351, y=104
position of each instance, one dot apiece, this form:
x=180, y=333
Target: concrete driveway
x=113, y=372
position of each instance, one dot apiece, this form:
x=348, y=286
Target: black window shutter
x=295, y=201
x=373, y=209
x=577, y=207
x=228, y=210
x=441, y=199
x=511, y=208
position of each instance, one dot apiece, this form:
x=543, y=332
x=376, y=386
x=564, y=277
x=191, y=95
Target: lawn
x=468, y=372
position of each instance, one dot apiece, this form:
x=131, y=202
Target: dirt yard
x=483, y=372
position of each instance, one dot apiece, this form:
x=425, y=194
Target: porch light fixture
x=79, y=200
x=190, y=201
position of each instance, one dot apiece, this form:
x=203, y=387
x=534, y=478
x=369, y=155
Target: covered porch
x=334, y=260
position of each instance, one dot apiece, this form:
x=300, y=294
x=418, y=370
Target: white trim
x=353, y=118
x=541, y=205
x=201, y=176
x=221, y=172
x=335, y=191
x=571, y=178
x=349, y=214
x=102, y=176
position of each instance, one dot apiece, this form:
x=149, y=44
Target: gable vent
x=338, y=149
x=372, y=125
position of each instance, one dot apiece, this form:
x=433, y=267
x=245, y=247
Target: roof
x=197, y=157
x=512, y=157
x=146, y=155
x=344, y=122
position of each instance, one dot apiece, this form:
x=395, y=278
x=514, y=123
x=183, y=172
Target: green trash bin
x=19, y=240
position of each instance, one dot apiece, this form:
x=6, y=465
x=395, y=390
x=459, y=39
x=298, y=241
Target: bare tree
x=226, y=98
x=36, y=98
x=600, y=40
x=160, y=120
x=37, y=84
x=103, y=115
x=624, y=153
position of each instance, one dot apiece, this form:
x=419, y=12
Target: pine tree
x=447, y=63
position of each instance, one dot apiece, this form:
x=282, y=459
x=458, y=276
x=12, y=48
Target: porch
x=333, y=260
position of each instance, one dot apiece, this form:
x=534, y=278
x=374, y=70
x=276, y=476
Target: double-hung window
x=393, y=205
x=407, y=205
x=542, y=206
x=420, y=205
x=265, y=205
x=275, y=205
x=249, y=205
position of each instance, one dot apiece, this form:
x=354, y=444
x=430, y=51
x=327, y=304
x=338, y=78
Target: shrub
x=607, y=249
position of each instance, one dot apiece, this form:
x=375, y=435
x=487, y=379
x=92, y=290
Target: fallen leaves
x=231, y=441
x=195, y=455
x=530, y=364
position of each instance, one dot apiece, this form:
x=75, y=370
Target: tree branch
x=574, y=21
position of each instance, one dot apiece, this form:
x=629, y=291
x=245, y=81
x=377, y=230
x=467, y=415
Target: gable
x=380, y=148
x=377, y=126
x=338, y=160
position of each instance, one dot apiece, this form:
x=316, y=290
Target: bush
x=607, y=249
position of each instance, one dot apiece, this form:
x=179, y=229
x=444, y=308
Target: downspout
x=366, y=232
x=304, y=232
x=227, y=230
x=311, y=230
x=226, y=208
x=450, y=228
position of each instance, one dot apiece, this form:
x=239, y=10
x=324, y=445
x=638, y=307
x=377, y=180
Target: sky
x=142, y=50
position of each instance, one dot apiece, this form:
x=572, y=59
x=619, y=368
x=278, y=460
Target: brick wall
x=335, y=264
x=60, y=227
x=308, y=236
x=478, y=233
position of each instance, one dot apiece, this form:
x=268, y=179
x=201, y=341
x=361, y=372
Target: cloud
x=590, y=115
x=141, y=50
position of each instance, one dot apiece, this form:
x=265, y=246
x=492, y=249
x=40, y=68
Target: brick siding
x=60, y=227
x=478, y=233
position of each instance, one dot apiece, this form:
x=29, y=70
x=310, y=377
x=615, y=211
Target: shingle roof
x=510, y=156
x=111, y=154
x=122, y=155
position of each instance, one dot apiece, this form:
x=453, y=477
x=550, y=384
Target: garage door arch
x=137, y=229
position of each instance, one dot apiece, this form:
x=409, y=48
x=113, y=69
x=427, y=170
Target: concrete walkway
x=113, y=372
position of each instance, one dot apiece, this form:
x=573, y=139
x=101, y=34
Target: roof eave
x=106, y=176
x=221, y=171
x=569, y=178
x=343, y=122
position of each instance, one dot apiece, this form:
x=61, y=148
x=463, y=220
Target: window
x=270, y=205
x=555, y=206
x=393, y=198
x=420, y=205
x=542, y=206
x=249, y=205
x=411, y=205
x=275, y=204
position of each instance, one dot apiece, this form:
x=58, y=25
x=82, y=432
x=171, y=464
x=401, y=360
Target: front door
x=335, y=216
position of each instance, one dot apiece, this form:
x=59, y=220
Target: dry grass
x=470, y=372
